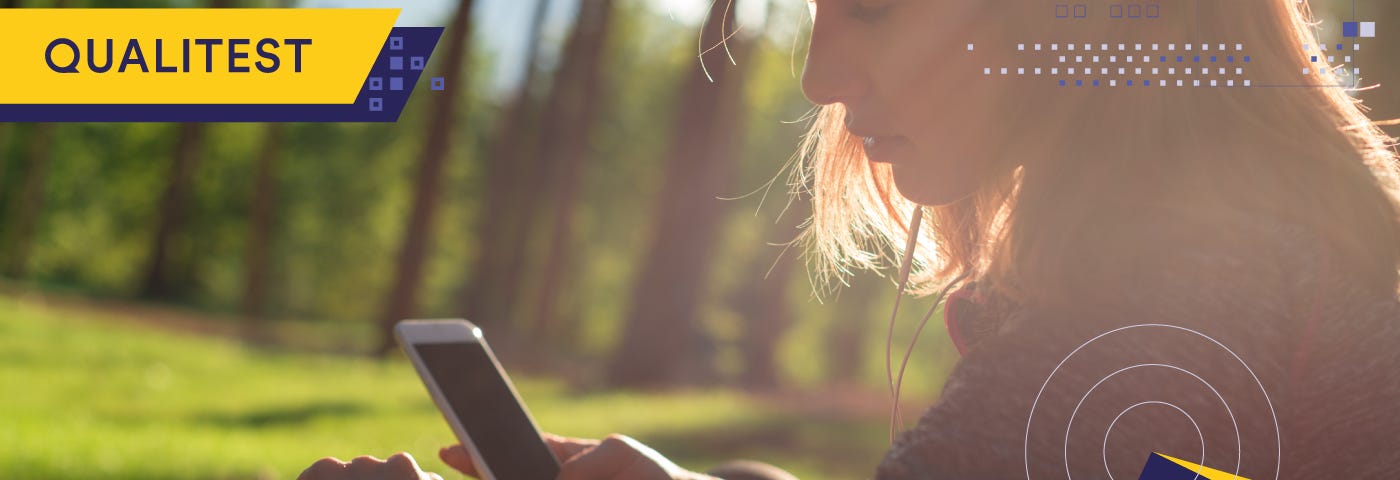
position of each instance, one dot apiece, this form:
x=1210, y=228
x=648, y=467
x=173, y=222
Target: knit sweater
x=1249, y=351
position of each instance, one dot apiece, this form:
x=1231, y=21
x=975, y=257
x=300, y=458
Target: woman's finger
x=402, y=466
x=565, y=448
x=456, y=456
x=325, y=468
x=613, y=455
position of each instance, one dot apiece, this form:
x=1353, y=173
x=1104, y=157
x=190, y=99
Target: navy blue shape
x=1153, y=10
x=1178, y=58
x=376, y=84
x=1198, y=58
x=1314, y=58
x=1096, y=83
x=1130, y=83
x=1078, y=83
x=1351, y=29
x=396, y=43
x=1246, y=58
x=1062, y=83
x=1212, y=59
x=439, y=84
x=396, y=84
x=1159, y=468
x=1231, y=59
x=376, y=104
x=1062, y=11
x=1341, y=47
x=415, y=63
x=1164, y=58
x=1081, y=10
x=1115, y=11
x=395, y=63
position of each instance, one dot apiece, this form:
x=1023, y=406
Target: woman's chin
x=930, y=189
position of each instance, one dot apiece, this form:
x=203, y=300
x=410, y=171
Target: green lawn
x=84, y=396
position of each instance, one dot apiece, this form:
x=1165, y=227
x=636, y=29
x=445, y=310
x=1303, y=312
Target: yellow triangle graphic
x=1205, y=472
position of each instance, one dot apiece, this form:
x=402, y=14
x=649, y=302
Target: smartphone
x=477, y=399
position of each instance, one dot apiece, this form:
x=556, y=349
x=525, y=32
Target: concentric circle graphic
x=1278, y=445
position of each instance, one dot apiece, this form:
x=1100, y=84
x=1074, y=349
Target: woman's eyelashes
x=870, y=11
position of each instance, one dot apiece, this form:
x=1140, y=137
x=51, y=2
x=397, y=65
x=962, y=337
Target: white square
x=1021, y=46
x=1188, y=47
x=987, y=71
x=1171, y=46
x=1154, y=70
x=1356, y=46
x=1120, y=71
x=1088, y=47
x=1239, y=47
x=1205, y=47
x=1331, y=59
x=1037, y=70
x=1222, y=47
x=1079, y=58
x=1129, y=58
x=1229, y=83
x=1222, y=70
x=1037, y=47
x=1307, y=46
x=1322, y=47
x=1356, y=71
x=1062, y=59
x=1368, y=29
x=1112, y=83
x=1003, y=70
x=1103, y=47
x=1096, y=59
x=1069, y=46
x=1188, y=70
x=1171, y=71
x=969, y=47
x=1305, y=70
x=1054, y=46
x=1112, y=59
x=1347, y=59
x=1071, y=70
x=1212, y=83
x=1178, y=83
x=1164, y=83
x=1103, y=71
x=1137, y=71
x=1121, y=47
x=1154, y=47
x=1020, y=71
x=1054, y=71
x=1138, y=47
x=1239, y=71
x=1246, y=83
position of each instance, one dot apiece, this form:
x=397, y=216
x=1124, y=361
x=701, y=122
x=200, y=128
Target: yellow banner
x=188, y=56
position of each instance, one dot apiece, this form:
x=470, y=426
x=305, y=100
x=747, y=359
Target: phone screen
x=483, y=402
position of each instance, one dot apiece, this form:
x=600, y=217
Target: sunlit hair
x=1308, y=156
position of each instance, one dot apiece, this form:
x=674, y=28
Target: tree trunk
x=28, y=207
x=571, y=116
x=492, y=287
x=762, y=303
x=161, y=268
x=662, y=327
x=402, y=300
x=257, y=264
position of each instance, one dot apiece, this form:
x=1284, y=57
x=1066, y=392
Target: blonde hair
x=1306, y=155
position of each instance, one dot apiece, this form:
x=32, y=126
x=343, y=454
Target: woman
x=1204, y=273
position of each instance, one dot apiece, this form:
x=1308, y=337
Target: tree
x=663, y=323
x=569, y=121
x=24, y=212
x=408, y=275
x=493, y=280
x=257, y=262
x=173, y=212
x=762, y=303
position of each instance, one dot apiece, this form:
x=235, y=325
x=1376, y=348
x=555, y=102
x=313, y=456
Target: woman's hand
x=399, y=466
x=616, y=457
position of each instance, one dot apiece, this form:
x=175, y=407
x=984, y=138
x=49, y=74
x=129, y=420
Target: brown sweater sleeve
x=1260, y=361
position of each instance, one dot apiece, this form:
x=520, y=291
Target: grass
x=88, y=394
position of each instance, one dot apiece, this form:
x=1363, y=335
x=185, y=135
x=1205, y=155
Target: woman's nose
x=835, y=71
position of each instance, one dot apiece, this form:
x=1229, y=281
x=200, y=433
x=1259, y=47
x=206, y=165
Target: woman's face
x=913, y=90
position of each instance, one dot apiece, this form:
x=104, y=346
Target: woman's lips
x=882, y=149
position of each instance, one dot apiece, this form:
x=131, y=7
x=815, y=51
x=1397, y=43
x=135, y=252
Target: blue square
x=376, y=84
x=1198, y=58
x=1212, y=59
x=1314, y=58
x=1164, y=58
x=439, y=84
x=1178, y=58
x=1341, y=47
x=376, y=104
x=1246, y=58
x=1078, y=83
x=415, y=63
x=1351, y=29
x=1231, y=59
x=1130, y=83
x=1081, y=11
x=396, y=83
x=1115, y=11
x=1062, y=11
x=395, y=43
x=395, y=63
x=1096, y=83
